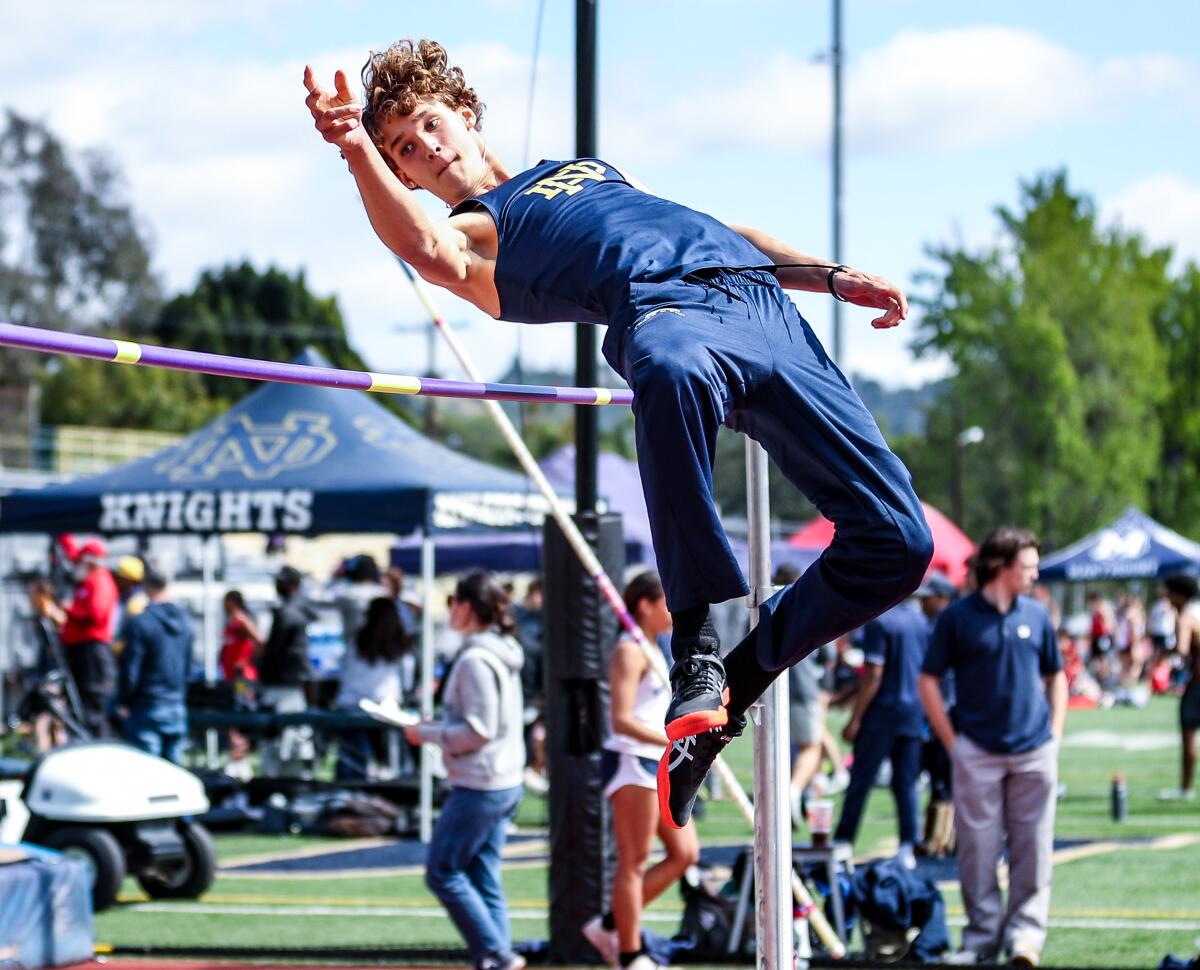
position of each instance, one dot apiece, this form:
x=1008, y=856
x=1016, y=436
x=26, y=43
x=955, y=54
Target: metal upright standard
x=772, y=833
x=836, y=161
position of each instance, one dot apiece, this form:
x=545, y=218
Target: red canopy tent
x=951, y=547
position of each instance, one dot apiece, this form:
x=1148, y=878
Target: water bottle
x=1120, y=799
x=800, y=941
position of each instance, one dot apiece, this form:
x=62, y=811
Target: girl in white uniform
x=639, y=702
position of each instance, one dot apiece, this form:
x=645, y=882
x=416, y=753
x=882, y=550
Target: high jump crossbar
x=222, y=365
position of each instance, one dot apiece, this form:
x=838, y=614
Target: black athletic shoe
x=684, y=766
x=698, y=695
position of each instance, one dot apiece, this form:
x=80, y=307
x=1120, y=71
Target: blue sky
x=718, y=104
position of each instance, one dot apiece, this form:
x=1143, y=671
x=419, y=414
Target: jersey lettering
x=569, y=179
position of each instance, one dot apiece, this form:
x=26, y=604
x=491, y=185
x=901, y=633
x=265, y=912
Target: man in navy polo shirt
x=1012, y=700
x=888, y=718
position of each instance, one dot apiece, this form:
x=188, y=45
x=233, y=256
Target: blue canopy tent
x=520, y=550
x=1133, y=546
x=286, y=459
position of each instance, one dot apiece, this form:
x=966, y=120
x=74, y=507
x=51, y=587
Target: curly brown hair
x=397, y=79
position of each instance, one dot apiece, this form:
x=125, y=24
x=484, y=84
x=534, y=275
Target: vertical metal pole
x=426, y=682
x=6, y=630
x=207, y=614
x=772, y=829
x=209, y=620
x=586, y=419
x=836, y=61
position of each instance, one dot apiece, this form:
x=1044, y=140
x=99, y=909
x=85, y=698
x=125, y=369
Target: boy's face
x=1022, y=573
x=436, y=148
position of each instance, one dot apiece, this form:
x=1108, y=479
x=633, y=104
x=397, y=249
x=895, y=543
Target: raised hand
x=863, y=289
x=337, y=113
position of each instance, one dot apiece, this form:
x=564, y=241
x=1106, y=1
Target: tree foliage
x=1053, y=337
x=1175, y=491
x=267, y=315
x=89, y=392
x=73, y=255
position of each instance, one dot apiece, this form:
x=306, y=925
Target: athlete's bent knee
x=682, y=858
x=917, y=544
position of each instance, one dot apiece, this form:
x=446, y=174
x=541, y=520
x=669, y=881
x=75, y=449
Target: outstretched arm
x=434, y=248
x=850, y=285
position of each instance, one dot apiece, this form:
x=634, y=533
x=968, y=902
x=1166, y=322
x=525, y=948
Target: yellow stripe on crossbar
x=394, y=384
x=603, y=395
x=127, y=352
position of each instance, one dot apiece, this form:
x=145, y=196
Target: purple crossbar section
x=101, y=348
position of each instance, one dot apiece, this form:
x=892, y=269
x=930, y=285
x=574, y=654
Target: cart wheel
x=191, y=877
x=100, y=851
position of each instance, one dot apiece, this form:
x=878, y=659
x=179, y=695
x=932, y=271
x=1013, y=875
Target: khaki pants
x=998, y=795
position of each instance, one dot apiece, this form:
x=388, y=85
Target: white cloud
x=922, y=90
x=964, y=88
x=1164, y=207
x=85, y=30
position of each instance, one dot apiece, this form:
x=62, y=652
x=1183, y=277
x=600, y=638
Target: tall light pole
x=835, y=58
x=968, y=436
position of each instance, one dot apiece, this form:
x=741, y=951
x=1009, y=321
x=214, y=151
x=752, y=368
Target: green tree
x=269, y=315
x=74, y=256
x=89, y=392
x=1176, y=489
x=1052, y=337
x=79, y=257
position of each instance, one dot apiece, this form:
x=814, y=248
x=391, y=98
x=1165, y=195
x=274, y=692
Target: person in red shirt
x=87, y=633
x=241, y=639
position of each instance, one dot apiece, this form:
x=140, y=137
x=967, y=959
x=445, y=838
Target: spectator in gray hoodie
x=481, y=735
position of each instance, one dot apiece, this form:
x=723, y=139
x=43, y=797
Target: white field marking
x=428, y=912
x=1097, y=923
x=1146, y=741
x=390, y=912
x=1177, y=841
x=1142, y=821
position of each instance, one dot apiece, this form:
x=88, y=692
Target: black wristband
x=829, y=280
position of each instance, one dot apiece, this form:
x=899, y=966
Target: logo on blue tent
x=1111, y=544
x=259, y=451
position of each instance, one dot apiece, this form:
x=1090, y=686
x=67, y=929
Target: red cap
x=94, y=548
x=70, y=545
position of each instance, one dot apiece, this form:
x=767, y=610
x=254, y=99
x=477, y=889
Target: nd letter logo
x=257, y=452
x=569, y=179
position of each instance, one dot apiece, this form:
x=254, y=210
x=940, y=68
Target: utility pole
x=430, y=330
x=836, y=61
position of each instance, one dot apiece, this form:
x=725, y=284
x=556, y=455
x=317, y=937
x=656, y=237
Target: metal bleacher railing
x=70, y=450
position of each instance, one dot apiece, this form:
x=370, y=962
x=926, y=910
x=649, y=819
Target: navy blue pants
x=729, y=347
x=873, y=744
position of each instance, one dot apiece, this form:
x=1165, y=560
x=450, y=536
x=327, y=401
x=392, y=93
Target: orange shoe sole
x=664, y=789
x=699, y=721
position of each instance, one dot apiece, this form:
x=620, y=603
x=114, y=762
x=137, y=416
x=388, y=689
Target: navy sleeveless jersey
x=574, y=236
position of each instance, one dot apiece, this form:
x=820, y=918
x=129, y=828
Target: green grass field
x=1133, y=896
